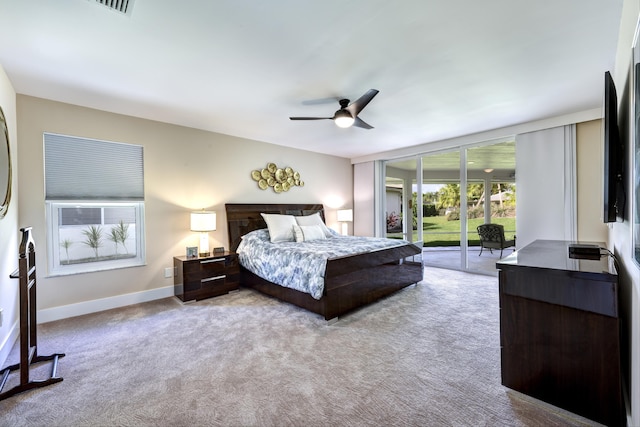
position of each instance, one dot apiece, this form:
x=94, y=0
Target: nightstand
x=205, y=277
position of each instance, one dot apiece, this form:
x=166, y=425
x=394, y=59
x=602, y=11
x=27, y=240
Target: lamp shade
x=345, y=215
x=203, y=221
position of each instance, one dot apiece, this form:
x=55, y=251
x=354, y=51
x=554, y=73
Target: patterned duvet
x=301, y=265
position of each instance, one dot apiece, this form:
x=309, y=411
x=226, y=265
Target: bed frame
x=350, y=282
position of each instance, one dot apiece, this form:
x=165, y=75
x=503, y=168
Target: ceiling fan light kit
x=343, y=119
x=347, y=115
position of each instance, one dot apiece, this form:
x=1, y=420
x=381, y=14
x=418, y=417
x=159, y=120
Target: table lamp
x=344, y=216
x=203, y=222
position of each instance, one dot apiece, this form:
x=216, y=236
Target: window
x=94, y=195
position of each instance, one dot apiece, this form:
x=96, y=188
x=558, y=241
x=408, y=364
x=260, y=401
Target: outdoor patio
x=449, y=257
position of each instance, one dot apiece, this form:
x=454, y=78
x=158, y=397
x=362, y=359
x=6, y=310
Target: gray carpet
x=428, y=355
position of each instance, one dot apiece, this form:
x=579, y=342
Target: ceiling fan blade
x=321, y=101
x=311, y=118
x=357, y=105
x=361, y=123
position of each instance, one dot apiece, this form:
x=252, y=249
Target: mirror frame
x=4, y=207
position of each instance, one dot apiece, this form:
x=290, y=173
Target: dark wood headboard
x=245, y=217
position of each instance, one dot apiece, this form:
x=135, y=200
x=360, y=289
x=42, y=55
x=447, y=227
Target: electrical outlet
x=168, y=272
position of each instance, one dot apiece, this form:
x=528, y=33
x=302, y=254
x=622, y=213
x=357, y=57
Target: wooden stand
x=26, y=273
x=560, y=330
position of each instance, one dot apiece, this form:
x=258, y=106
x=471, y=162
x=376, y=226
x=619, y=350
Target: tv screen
x=614, y=197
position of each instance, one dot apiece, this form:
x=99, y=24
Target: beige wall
x=363, y=199
x=589, y=165
x=185, y=169
x=9, y=228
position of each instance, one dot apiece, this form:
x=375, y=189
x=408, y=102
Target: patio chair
x=492, y=237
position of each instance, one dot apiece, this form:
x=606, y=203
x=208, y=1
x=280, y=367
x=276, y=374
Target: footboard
x=350, y=282
x=366, y=263
x=356, y=281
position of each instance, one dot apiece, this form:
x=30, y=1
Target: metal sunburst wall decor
x=280, y=179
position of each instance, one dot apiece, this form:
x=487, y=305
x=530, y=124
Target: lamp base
x=204, y=244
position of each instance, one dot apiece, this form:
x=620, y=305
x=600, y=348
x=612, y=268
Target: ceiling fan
x=347, y=115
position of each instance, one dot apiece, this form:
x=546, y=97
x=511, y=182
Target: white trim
x=579, y=117
x=55, y=258
x=420, y=203
x=93, y=306
x=379, y=199
x=570, y=180
x=464, y=210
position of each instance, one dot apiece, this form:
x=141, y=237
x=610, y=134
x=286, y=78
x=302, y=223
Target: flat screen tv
x=614, y=195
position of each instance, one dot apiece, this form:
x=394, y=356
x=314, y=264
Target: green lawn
x=440, y=232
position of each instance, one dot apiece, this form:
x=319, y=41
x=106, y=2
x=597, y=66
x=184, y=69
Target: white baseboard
x=78, y=309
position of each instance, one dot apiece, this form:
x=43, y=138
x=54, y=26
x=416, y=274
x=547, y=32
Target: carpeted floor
x=428, y=355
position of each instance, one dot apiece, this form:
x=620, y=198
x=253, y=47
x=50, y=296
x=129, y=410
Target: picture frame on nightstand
x=192, y=252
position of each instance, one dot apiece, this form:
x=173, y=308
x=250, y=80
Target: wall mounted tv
x=614, y=195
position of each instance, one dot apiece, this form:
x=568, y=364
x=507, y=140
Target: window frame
x=55, y=265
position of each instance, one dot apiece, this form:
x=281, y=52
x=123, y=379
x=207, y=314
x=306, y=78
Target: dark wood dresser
x=560, y=331
x=205, y=277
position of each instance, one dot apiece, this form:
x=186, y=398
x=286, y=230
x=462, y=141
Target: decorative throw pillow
x=314, y=219
x=306, y=233
x=280, y=227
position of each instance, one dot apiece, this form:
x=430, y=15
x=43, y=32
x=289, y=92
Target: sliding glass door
x=491, y=198
x=441, y=227
x=440, y=199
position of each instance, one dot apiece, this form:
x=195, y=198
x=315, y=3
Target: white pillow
x=280, y=227
x=314, y=219
x=306, y=233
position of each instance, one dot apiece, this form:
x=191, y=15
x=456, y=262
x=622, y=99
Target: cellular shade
x=88, y=169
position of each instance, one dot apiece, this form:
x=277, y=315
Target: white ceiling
x=242, y=67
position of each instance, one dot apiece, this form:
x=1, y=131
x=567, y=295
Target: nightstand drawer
x=199, y=278
x=213, y=267
x=213, y=282
x=201, y=269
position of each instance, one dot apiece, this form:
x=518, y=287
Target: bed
x=349, y=281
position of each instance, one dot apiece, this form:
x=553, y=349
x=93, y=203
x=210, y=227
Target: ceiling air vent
x=121, y=6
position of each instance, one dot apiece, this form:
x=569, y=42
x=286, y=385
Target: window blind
x=88, y=169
